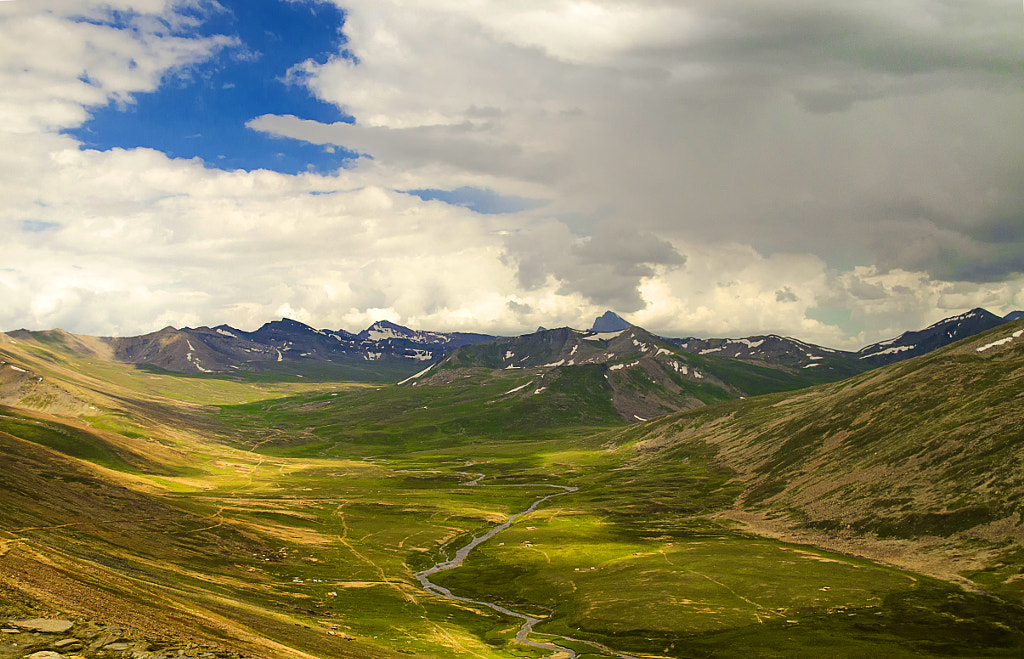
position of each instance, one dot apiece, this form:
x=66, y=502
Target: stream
x=528, y=621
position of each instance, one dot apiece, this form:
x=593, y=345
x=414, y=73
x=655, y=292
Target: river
x=528, y=621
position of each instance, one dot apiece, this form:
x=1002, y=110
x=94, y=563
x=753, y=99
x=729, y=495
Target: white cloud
x=708, y=168
x=54, y=65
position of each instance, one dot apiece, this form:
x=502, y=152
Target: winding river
x=528, y=621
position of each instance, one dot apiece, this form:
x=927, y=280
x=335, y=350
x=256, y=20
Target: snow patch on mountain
x=1003, y=341
x=520, y=388
x=417, y=375
x=889, y=351
x=603, y=336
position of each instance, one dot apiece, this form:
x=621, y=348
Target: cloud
x=831, y=170
x=797, y=125
x=786, y=294
x=62, y=58
x=606, y=268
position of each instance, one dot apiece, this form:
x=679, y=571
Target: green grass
x=65, y=439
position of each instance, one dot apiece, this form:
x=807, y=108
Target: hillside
x=918, y=463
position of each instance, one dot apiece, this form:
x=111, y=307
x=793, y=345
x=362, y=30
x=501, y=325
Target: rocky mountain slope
x=610, y=321
x=646, y=376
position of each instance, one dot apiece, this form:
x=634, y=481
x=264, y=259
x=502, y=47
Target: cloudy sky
x=832, y=170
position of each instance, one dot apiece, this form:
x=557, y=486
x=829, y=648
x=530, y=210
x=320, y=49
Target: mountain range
x=223, y=348
x=381, y=351
x=646, y=376
x=641, y=374
x=918, y=463
x=289, y=517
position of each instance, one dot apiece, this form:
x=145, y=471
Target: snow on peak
x=973, y=313
x=750, y=344
x=382, y=329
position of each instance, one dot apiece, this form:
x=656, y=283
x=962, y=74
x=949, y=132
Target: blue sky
x=201, y=112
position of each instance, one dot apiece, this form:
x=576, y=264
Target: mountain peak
x=385, y=329
x=610, y=322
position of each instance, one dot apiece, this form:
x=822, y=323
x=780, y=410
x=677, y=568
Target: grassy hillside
x=920, y=462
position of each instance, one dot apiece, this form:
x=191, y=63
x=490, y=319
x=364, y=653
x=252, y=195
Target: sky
x=835, y=171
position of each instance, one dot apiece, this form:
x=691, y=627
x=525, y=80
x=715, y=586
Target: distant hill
x=648, y=376
x=1013, y=315
x=777, y=350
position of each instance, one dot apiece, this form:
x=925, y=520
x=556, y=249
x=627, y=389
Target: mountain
x=918, y=463
x=383, y=349
x=383, y=330
x=610, y=322
x=1013, y=315
x=942, y=333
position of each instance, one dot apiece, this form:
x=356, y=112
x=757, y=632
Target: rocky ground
x=61, y=638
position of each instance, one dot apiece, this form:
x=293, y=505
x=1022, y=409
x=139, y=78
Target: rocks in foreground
x=56, y=638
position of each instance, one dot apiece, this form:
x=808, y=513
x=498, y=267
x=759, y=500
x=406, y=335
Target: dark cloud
x=786, y=294
x=605, y=268
x=863, y=290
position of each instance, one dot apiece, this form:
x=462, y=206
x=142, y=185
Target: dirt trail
x=343, y=539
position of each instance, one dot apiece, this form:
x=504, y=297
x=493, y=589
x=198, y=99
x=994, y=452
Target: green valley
x=275, y=517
